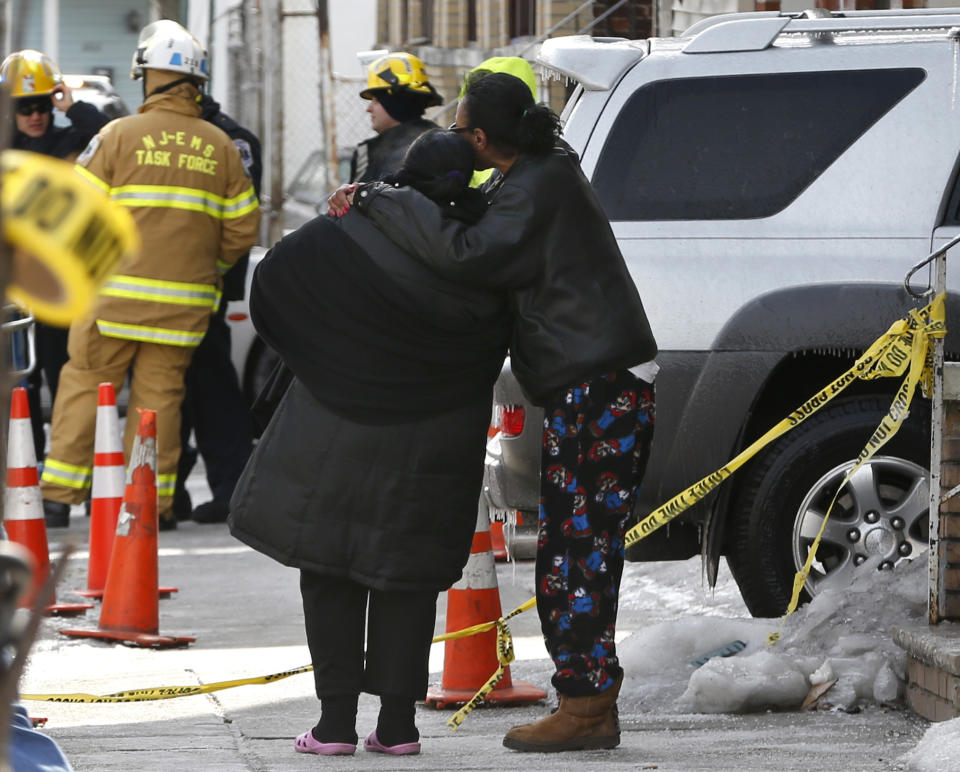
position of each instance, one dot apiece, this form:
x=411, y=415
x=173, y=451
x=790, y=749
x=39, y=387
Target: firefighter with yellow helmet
x=399, y=93
x=36, y=85
x=184, y=183
x=34, y=82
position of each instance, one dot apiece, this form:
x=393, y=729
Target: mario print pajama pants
x=596, y=442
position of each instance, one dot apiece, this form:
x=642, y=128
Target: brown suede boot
x=579, y=723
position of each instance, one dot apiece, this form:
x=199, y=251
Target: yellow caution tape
x=67, y=236
x=908, y=342
x=484, y=626
x=505, y=656
x=170, y=692
x=165, y=692
x=887, y=356
x=913, y=346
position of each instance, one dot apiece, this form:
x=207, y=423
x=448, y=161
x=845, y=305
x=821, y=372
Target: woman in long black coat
x=368, y=475
x=583, y=349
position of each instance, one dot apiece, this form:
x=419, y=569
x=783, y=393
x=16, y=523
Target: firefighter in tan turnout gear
x=185, y=185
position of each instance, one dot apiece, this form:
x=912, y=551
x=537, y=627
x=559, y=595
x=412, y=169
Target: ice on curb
x=844, y=634
x=938, y=750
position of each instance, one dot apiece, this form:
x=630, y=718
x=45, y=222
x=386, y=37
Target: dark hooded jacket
x=546, y=239
x=372, y=465
x=62, y=142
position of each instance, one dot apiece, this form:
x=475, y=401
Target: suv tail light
x=512, y=419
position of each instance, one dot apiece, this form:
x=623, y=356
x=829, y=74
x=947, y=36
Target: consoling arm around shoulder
x=485, y=254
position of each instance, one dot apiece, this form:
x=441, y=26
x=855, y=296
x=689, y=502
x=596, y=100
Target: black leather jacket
x=545, y=238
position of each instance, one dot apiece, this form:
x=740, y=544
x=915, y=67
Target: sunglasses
x=29, y=108
x=456, y=129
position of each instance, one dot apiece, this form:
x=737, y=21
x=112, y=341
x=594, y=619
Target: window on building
x=523, y=18
x=426, y=19
x=471, y=20
x=630, y=19
x=736, y=147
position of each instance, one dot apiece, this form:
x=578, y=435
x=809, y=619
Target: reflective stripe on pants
x=157, y=384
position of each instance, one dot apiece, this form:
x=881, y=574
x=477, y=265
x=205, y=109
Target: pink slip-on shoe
x=307, y=743
x=374, y=745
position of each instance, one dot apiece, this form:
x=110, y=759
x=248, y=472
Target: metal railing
x=936, y=570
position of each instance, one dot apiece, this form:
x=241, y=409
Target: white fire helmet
x=165, y=45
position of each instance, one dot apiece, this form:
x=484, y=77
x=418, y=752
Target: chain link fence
x=352, y=120
x=302, y=125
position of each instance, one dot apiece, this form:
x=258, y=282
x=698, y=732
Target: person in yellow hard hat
x=399, y=93
x=36, y=86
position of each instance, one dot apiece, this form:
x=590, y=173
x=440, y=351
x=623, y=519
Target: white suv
x=770, y=179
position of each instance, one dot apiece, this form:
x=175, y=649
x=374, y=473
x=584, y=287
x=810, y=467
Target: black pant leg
x=400, y=631
x=32, y=383
x=219, y=412
x=334, y=613
x=52, y=354
x=51, y=343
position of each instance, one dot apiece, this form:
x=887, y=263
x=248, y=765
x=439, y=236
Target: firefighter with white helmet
x=34, y=82
x=183, y=181
x=399, y=93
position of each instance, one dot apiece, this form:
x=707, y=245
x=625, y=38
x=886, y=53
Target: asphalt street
x=244, y=611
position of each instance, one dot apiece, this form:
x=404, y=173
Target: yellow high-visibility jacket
x=196, y=209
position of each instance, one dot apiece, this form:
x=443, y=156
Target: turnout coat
x=371, y=467
x=195, y=207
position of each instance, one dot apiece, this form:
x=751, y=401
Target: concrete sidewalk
x=244, y=611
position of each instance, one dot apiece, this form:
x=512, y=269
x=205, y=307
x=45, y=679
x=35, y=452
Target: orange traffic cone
x=23, y=504
x=131, y=610
x=469, y=662
x=106, y=496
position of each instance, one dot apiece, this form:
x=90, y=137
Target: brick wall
x=931, y=691
x=950, y=511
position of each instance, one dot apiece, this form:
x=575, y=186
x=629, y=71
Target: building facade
x=453, y=36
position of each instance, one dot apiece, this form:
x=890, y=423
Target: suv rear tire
x=882, y=514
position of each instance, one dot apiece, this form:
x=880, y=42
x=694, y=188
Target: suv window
x=736, y=147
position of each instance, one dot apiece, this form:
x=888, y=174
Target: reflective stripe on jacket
x=185, y=185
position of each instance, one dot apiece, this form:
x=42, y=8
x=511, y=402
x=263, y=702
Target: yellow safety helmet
x=29, y=73
x=400, y=73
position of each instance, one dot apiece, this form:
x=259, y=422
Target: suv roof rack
x=754, y=31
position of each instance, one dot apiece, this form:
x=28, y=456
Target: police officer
x=35, y=83
x=215, y=408
x=399, y=93
x=185, y=185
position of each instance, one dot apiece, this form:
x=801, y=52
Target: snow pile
x=843, y=635
x=937, y=750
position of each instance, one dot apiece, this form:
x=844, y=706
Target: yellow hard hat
x=29, y=73
x=400, y=73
